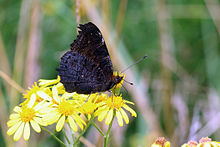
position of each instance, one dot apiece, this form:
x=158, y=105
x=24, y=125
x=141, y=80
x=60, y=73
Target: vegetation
x=176, y=89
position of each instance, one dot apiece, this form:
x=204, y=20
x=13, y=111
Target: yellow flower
x=46, y=83
x=207, y=142
x=161, y=142
x=48, y=95
x=190, y=144
x=204, y=142
x=24, y=116
x=114, y=103
x=90, y=105
x=35, y=88
x=99, y=98
x=64, y=108
x=50, y=83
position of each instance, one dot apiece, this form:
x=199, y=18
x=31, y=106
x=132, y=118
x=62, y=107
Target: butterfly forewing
x=91, y=45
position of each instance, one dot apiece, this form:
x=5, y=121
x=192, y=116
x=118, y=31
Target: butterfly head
x=116, y=79
x=116, y=83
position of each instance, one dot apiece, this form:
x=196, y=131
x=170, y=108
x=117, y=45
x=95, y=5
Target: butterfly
x=87, y=67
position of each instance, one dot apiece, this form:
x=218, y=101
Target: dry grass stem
x=166, y=46
x=120, y=17
x=4, y=62
x=214, y=10
x=85, y=141
x=32, y=67
x=78, y=4
x=11, y=82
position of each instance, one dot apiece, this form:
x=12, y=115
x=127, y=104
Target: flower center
x=66, y=108
x=27, y=114
x=88, y=108
x=117, y=102
x=205, y=139
x=161, y=141
x=100, y=98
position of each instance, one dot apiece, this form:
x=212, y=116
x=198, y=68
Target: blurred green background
x=176, y=89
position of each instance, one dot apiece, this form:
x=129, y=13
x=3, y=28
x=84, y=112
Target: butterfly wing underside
x=91, y=45
x=87, y=68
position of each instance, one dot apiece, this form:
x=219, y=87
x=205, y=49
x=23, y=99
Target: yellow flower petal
x=59, y=85
x=43, y=104
x=185, y=145
x=109, y=117
x=35, y=126
x=60, y=123
x=44, y=95
x=89, y=116
x=55, y=94
x=128, y=102
x=26, y=131
x=167, y=144
x=119, y=118
x=13, y=122
x=37, y=120
x=79, y=121
x=52, y=117
x=101, y=109
x=32, y=101
x=17, y=109
x=79, y=118
x=67, y=95
x=40, y=121
x=124, y=115
x=155, y=145
x=133, y=113
x=207, y=144
x=72, y=124
x=43, y=82
x=102, y=115
x=13, y=128
x=14, y=116
x=19, y=132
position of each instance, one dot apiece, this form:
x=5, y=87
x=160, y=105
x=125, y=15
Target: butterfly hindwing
x=79, y=74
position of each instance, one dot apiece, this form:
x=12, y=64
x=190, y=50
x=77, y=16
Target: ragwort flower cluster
x=203, y=142
x=48, y=103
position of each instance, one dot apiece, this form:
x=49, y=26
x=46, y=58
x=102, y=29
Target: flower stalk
x=100, y=131
x=67, y=139
x=54, y=136
x=82, y=133
x=106, y=137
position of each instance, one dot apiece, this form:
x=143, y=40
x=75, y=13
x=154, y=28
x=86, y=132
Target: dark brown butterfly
x=87, y=67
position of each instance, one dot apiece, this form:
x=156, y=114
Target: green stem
x=84, y=130
x=64, y=133
x=100, y=131
x=54, y=136
x=106, y=137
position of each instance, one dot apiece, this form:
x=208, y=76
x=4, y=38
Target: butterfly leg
x=86, y=99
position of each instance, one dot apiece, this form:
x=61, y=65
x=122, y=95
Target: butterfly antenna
x=134, y=64
x=128, y=82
